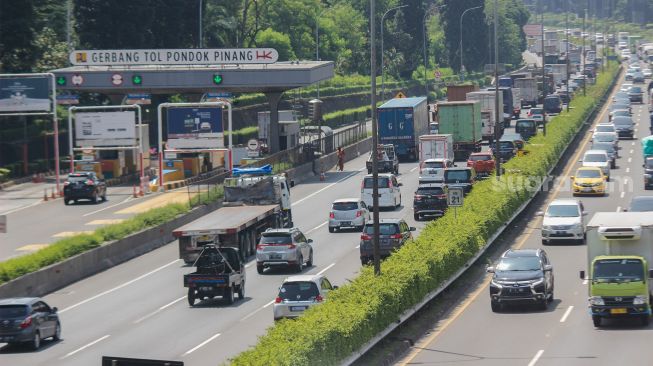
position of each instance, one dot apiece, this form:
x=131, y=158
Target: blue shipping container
x=401, y=121
x=505, y=81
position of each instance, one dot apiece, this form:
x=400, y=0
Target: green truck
x=619, y=253
x=463, y=121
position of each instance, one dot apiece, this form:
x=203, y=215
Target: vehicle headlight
x=496, y=284
x=537, y=282
x=546, y=227
x=639, y=300
x=596, y=300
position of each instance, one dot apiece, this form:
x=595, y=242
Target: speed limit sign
x=455, y=196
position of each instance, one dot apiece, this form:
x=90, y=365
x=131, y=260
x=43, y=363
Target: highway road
x=564, y=334
x=139, y=308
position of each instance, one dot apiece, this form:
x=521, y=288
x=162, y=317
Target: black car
x=523, y=276
x=463, y=177
x=552, y=104
x=636, y=94
x=28, y=320
x=526, y=127
x=624, y=126
x=84, y=185
x=640, y=204
x=393, y=233
x=507, y=148
x=429, y=199
x=648, y=173
x=564, y=96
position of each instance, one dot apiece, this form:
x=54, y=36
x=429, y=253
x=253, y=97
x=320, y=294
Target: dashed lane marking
x=85, y=347
x=566, y=314
x=31, y=247
x=105, y=222
x=65, y=234
x=536, y=358
x=200, y=345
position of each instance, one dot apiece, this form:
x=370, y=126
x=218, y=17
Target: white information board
x=105, y=128
x=455, y=196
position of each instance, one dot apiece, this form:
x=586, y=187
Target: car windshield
x=551, y=102
x=619, y=106
x=506, y=145
x=12, y=311
x=480, y=157
x=562, y=211
x=536, y=111
x=641, y=204
x=456, y=175
x=430, y=191
x=622, y=121
x=345, y=206
x=595, y=158
x=649, y=164
x=384, y=229
x=434, y=164
x=78, y=178
x=618, y=270
x=604, y=128
x=519, y=264
x=299, y=291
x=276, y=238
x=369, y=182
x=526, y=124
x=607, y=147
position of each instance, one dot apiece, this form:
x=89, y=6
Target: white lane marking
x=327, y=187
x=618, y=208
x=256, y=311
x=566, y=314
x=415, y=168
x=119, y=286
x=536, y=358
x=625, y=180
x=108, y=207
x=635, y=130
x=631, y=151
x=325, y=269
x=159, y=310
x=585, y=282
x=358, y=246
x=249, y=265
x=627, y=170
x=86, y=346
x=630, y=160
x=632, y=144
x=200, y=345
x=623, y=194
x=21, y=208
x=317, y=227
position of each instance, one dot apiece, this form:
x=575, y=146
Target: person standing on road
x=341, y=158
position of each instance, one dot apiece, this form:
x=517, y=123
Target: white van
x=389, y=191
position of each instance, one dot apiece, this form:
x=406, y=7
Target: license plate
x=205, y=288
x=345, y=223
x=587, y=189
x=516, y=290
x=298, y=308
x=560, y=232
x=275, y=256
x=618, y=311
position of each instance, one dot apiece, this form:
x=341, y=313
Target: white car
x=647, y=73
x=432, y=170
x=389, y=191
x=597, y=158
x=610, y=137
x=348, y=212
x=298, y=293
x=605, y=127
x=563, y=220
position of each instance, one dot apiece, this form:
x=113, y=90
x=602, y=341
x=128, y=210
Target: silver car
x=348, y=212
x=298, y=293
x=284, y=248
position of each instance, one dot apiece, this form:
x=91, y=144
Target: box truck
x=401, y=122
x=528, y=90
x=488, y=120
x=463, y=121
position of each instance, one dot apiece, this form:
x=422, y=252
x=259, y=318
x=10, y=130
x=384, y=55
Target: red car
x=482, y=162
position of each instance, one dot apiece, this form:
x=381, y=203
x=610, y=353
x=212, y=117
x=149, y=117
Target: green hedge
x=357, y=311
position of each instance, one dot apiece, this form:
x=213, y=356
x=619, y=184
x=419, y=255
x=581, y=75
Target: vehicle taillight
x=278, y=300
x=359, y=213
x=418, y=197
x=260, y=246
x=332, y=215
x=396, y=236
x=90, y=182
x=318, y=298
x=26, y=323
x=291, y=246
x=441, y=196
x=66, y=183
x=365, y=237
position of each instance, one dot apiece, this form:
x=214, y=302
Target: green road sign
x=217, y=79
x=61, y=80
x=137, y=79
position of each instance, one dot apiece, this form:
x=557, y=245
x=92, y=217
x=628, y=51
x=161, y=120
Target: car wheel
x=369, y=171
x=241, y=290
x=260, y=268
x=104, y=196
x=229, y=295
x=596, y=320
x=545, y=242
x=191, y=297
x=544, y=304
x=332, y=229
x=496, y=306
x=310, y=260
x=299, y=267
x=94, y=199
x=57, y=332
x=36, y=342
x=416, y=217
x=645, y=320
x=66, y=202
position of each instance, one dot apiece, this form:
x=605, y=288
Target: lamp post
x=375, y=141
x=200, y=26
x=426, y=85
x=462, y=72
x=497, y=130
x=382, y=56
x=317, y=42
x=567, y=49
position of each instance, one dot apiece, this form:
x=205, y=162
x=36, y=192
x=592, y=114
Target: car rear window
x=345, y=206
x=276, y=238
x=12, y=311
x=383, y=182
x=480, y=157
x=456, y=175
x=384, y=229
x=506, y=144
x=595, y=158
x=299, y=291
x=434, y=164
x=430, y=190
x=525, y=123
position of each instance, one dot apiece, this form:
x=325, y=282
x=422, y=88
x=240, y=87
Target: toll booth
x=288, y=128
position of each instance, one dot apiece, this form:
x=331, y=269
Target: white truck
x=528, y=89
x=487, y=102
x=619, y=258
x=435, y=147
x=252, y=204
x=558, y=69
x=516, y=102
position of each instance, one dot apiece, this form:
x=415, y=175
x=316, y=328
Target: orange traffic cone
x=322, y=175
x=45, y=194
x=54, y=196
x=135, y=194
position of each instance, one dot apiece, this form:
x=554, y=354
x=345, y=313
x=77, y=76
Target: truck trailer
x=486, y=99
x=401, y=122
x=463, y=121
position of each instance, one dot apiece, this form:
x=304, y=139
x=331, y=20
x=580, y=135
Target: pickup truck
x=219, y=272
x=388, y=162
x=483, y=163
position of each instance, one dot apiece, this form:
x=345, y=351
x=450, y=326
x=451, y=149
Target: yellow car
x=588, y=180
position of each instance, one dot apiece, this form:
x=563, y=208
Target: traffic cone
x=54, y=196
x=322, y=176
x=140, y=190
x=135, y=194
x=45, y=194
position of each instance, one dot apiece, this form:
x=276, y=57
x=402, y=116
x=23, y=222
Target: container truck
x=488, y=116
x=463, y=121
x=528, y=90
x=619, y=255
x=558, y=69
x=401, y=122
x=457, y=93
x=516, y=102
x=254, y=200
x=435, y=147
x=508, y=108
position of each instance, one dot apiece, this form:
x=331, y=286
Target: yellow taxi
x=588, y=180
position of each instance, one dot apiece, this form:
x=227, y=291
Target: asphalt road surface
x=564, y=334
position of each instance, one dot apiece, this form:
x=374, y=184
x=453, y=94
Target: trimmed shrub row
x=357, y=311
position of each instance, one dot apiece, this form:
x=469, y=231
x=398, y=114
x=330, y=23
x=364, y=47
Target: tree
x=512, y=40
x=279, y=41
x=17, y=24
x=475, y=37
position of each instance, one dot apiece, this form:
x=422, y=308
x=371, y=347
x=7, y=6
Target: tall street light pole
x=583, y=48
x=426, y=85
x=543, y=73
x=462, y=70
x=375, y=143
x=497, y=130
x=567, y=48
x=200, y=27
x=382, y=56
